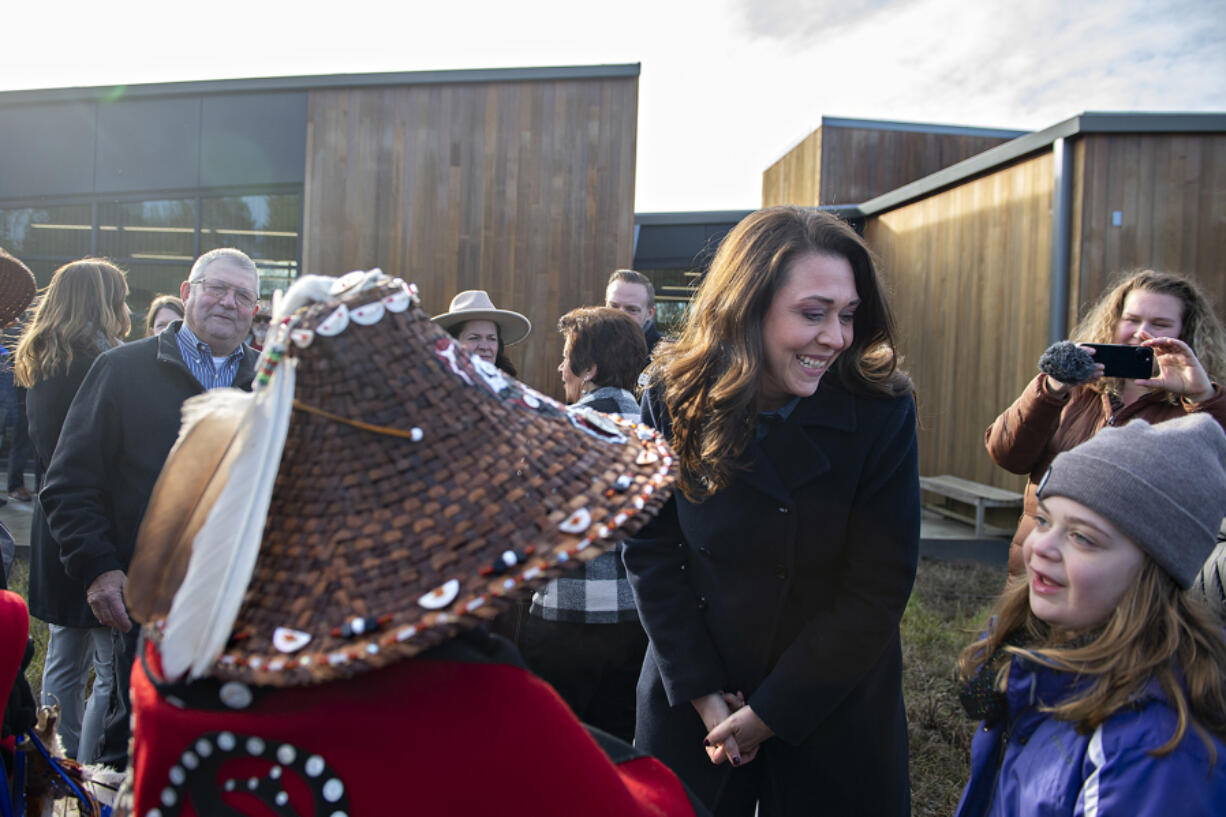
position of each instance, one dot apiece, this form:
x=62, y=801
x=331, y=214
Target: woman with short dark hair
x=590, y=645
x=603, y=352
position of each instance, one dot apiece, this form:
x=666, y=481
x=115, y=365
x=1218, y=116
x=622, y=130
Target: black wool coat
x=118, y=431
x=789, y=586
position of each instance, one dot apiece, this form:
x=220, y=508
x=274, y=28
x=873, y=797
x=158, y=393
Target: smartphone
x=1121, y=360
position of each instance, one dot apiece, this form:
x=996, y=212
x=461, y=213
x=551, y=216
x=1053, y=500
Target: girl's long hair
x=1156, y=631
x=82, y=306
x=710, y=376
x=1201, y=328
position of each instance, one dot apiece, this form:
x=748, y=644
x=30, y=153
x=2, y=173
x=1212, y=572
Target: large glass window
x=263, y=226
x=62, y=230
x=157, y=230
x=156, y=240
x=674, y=289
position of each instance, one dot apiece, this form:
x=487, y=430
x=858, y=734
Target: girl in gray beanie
x=1100, y=682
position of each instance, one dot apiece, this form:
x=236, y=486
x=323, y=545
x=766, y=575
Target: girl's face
x=164, y=317
x=1078, y=565
x=808, y=323
x=480, y=338
x=1155, y=313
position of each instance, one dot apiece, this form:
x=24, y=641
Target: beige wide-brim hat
x=475, y=305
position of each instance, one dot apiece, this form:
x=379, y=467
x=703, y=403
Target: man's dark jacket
x=651, y=335
x=119, y=429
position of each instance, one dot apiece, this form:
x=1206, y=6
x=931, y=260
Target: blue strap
x=54, y=763
x=13, y=803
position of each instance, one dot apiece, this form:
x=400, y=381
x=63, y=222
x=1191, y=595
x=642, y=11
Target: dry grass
x=948, y=608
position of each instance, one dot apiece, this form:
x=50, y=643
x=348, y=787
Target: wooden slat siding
x=1076, y=225
x=525, y=189
x=968, y=270
x=839, y=165
x=1171, y=189
x=796, y=177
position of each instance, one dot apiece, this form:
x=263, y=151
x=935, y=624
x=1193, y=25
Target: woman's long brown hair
x=1156, y=631
x=711, y=375
x=84, y=300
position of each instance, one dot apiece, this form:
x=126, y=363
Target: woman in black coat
x=772, y=585
x=81, y=315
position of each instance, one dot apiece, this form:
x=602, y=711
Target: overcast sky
x=727, y=86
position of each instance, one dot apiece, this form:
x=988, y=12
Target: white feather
x=224, y=551
x=211, y=404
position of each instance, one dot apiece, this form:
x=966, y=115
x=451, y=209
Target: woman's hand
x=745, y=728
x=714, y=710
x=1179, y=370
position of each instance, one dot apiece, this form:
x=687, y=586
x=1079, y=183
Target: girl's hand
x=714, y=710
x=746, y=728
x=1179, y=370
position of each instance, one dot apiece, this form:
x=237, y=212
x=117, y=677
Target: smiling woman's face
x=808, y=323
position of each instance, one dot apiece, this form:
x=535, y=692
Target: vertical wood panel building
x=996, y=256
x=517, y=181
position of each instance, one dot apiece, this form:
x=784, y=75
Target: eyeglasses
x=245, y=298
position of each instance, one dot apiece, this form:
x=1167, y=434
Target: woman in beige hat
x=482, y=329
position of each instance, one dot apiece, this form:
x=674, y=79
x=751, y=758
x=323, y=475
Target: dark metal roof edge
x=1088, y=122
x=846, y=211
x=690, y=217
x=920, y=127
x=309, y=82
x=1152, y=122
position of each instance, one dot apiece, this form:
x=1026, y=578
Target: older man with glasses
x=119, y=429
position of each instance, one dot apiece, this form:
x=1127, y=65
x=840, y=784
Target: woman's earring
x=586, y=388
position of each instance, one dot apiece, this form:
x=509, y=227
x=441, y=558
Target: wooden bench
x=976, y=494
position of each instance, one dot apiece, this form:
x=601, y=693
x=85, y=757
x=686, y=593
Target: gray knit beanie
x=1163, y=486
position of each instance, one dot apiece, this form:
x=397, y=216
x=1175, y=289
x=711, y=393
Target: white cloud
x=727, y=86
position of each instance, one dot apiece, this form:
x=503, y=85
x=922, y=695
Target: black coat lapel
x=789, y=456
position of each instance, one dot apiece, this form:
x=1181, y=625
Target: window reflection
x=158, y=230
x=263, y=226
x=63, y=230
x=156, y=240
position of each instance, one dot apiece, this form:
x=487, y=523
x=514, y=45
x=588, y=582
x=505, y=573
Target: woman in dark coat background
x=772, y=588
x=82, y=314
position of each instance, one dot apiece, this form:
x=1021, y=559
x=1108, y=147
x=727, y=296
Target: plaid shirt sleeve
x=599, y=594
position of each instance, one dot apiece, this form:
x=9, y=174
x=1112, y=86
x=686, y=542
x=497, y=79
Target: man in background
x=632, y=293
x=118, y=431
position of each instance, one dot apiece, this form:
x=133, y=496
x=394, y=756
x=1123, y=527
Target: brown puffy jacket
x=1040, y=424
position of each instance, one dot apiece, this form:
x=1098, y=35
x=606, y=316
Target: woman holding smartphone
x=1164, y=311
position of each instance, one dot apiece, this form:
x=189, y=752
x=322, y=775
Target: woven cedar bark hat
x=17, y=288
x=419, y=490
